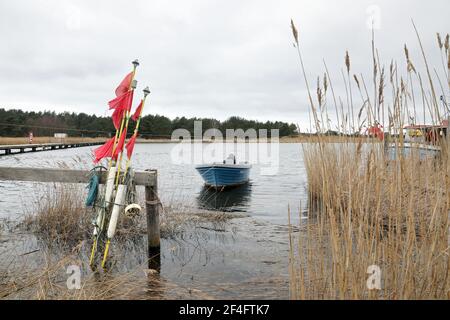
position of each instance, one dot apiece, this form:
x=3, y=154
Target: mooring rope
x=93, y=185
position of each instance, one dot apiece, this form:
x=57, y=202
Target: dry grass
x=38, y=140
x=61, y=218
x=366, y=210
x=327, y=139
x=49, y=282
x=369, y=212
x=63, y=225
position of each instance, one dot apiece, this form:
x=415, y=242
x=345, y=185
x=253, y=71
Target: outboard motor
x=231, y=159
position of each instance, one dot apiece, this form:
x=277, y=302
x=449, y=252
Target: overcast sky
x=199, y=58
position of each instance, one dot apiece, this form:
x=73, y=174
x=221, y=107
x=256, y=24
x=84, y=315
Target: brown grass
x=63, y=225
x=49, y=282
x=327, y=139
x=367, y=210
x=61, y=218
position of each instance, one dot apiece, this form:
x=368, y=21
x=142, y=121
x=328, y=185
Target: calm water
x=248, y=260
x=266, y=197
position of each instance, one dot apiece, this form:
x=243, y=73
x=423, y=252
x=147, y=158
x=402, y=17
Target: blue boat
x=226, y=174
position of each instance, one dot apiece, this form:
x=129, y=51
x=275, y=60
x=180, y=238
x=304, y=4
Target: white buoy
x=117, y=208
x=108, y=193
x=133, y=209
x=110, y=184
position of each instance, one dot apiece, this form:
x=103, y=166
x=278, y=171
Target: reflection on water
x=229, y=200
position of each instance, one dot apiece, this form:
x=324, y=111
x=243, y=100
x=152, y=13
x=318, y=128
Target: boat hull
x=219, y=176
x=422, y=151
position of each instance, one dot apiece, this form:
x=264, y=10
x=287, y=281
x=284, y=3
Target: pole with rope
x=136, y=129
x=101, y=216
x=119, y=132
x=121, y=188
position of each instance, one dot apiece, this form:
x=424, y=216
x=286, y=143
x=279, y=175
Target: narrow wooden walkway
x=23, y=148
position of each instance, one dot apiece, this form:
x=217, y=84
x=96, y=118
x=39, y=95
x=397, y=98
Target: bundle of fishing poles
x=117, y=197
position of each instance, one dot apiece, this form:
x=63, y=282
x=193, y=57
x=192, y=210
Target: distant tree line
x=18, y=123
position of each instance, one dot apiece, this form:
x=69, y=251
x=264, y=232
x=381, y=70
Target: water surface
x=249, y=259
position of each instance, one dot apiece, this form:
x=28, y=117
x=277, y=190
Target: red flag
x=376, y=132
x=137, y=113
x=104, y=150
x=120, y=102
x=120, y=144
x=117, y=117
x=122, y=108
x=130, y=146
x=124, y=86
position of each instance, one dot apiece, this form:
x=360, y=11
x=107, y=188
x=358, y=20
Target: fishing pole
x=122, y=188
x=99, y=223
x=130, y=145
x=119, y=132
x=121, y=151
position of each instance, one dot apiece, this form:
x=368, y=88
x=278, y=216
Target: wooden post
x=148, y=178
x=153, y=233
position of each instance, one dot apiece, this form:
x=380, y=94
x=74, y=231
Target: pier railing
x=148, y=179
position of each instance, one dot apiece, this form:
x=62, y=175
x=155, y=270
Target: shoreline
x=300, y=139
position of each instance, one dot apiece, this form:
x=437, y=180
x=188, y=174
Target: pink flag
x=130, y=146
x=104, y=150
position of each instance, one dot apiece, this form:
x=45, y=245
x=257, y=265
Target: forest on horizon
x=19, y=123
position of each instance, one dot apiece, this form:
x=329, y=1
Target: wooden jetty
x=148, y=179
x=22, y=148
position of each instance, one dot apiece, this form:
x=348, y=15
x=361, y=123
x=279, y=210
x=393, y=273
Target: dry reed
x=369, y=212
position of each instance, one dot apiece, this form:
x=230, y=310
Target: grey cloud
x=202, y=58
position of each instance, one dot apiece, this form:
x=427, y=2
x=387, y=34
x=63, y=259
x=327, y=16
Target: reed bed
x=378, y=226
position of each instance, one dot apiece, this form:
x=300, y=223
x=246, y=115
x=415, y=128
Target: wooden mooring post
x=153, y=232
x=148, y=179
